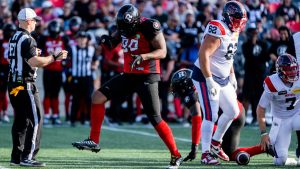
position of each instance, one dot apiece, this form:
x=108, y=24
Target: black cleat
x=87, y=144
x=32, y=163
x=175, y=162
x=298, y=152
x=270, y=149
x=14, y=162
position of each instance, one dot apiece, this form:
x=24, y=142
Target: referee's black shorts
x=146, y=85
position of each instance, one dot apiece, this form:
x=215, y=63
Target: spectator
x=288, y=11
x=256, y=11
x=17, y=5
x=81, y=7
x=47, y=13
x=274, y=33
x=67, y=14
x=94, y=19
x=255, y=52
x=160, y=15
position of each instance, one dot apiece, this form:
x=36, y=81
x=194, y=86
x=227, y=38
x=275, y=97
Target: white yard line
x=141, y=133
x=3, y=167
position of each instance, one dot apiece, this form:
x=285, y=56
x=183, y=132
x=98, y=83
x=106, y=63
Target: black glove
x=192, y=155
x=106, y=40
x=137, y=59
x=57, y=55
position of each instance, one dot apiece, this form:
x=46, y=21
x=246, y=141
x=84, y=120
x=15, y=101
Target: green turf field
x=131, y=146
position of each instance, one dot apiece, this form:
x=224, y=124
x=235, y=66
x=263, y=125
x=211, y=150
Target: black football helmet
x=54, y=28
x=235, y=16
x=287, y=68
x=181, y=82
x=128, y=20
x=9, y=30
x=75, y=24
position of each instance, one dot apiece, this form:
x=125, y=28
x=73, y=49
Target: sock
x=55, y=106
x=46, y=104
x=177, y=106
x=252, y=151
x=196, y=129
x=223, y=124
x=97, y=116
x=207, y=130
x=138, y=103
x=2, y=97
x=166, y=135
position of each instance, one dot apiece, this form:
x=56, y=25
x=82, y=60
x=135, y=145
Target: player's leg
x=149, y=96
x=210, y=109
x=296, y=127
x=298, y=140
x=110, y=89
x=47, y=101
x=280, y=137
x=230, y=109
x=56, y=86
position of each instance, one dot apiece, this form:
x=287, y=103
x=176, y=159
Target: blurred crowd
x=81, y=23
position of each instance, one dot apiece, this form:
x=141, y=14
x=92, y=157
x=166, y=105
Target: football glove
x=137, y=60
x=233, y=81
x=192, y=154
x=212, y=87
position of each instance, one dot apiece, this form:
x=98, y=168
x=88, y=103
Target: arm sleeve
x=150, y=28
x=28, y=48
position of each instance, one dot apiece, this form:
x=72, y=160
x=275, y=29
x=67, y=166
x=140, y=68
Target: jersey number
x=231, y=50
x=212, y=29
x=292, y=100
x=12, y=48
x=130, y=45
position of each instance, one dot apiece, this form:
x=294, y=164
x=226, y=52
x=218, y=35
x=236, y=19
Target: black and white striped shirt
x=22, y=47
x=82, y=59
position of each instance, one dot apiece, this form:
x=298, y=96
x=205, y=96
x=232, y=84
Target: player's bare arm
x=265, y=139
x=37, y=61
x=208, y=47
x=160, y=49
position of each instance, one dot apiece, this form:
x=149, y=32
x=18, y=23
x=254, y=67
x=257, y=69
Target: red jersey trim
x=219, y=25
x=270, y=85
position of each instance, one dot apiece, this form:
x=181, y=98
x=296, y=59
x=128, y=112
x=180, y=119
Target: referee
x=24, y=61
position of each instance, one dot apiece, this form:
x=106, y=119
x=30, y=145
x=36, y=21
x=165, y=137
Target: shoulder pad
x=150, y=28
x=215, y=28
x=268, y=85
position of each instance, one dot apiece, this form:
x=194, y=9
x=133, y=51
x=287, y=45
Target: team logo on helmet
x=128, y=18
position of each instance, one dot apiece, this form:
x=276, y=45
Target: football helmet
x=242, y=158
x=287, y=68
x=235, y=16
x=54, y=28
x=128, y=20
x=181, y=82
x=9, y=30
x=75, y=24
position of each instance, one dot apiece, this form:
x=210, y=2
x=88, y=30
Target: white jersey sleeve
x=215, y=28
x=265, y=99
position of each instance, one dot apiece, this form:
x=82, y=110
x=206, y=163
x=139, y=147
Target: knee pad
x=280, y=161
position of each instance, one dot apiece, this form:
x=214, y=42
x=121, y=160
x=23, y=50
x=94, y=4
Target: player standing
x=143, y=45
x=214, y=79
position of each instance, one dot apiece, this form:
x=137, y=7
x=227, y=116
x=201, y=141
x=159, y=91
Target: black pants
x=26, y=129
x=146, y=85
x=164, y=93
x=82, y=89
x=52, y=81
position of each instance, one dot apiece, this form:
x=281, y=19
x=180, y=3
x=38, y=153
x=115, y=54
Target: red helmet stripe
x=219, y=25
x=270, y=85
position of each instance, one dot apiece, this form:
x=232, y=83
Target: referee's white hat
x=27, y=14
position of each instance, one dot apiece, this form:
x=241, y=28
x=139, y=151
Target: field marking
x=142, y=133
x=2, y=167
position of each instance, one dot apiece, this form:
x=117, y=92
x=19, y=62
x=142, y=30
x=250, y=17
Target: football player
x=52, y=74
x=282, y=92
x=183, y=87
x=143, y=45
x=214, y=79
x=8, y=31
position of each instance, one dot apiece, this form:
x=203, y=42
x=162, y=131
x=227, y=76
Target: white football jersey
x=222, y=59
x=284, y=100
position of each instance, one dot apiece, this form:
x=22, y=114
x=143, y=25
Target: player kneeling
x=282, y=92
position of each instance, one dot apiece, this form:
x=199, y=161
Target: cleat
x=56, y=121
x=298, y=152
x=175, y=162
x=32, y=163
x=218, y=151
x=14, y=162
x=5, y=119
x=242, y=158
x=271, y=150
x=87, y=144
x=208, y=159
